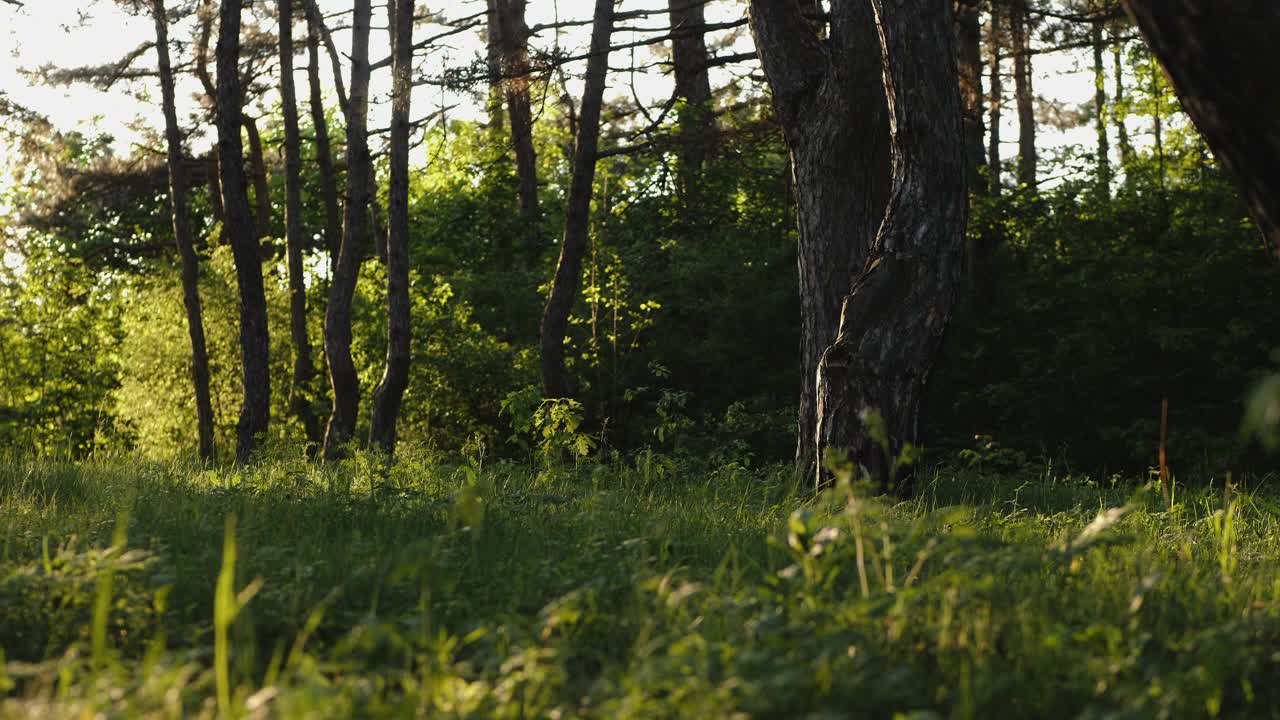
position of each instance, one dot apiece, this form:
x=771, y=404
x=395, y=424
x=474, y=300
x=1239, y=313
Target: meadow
x=653, y=587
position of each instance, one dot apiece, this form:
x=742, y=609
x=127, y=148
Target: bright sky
x=51, y=31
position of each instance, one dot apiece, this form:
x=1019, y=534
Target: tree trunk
x=893, y=319
x=183, y=237
x=697, y=130
x=996, y=99
x=324, y=152
x=968, y=34
x=261, y=186
x=1100, y=108
x=255, y=413
x=1024, y=95
x=343, y=379
x=215, y=187
x=514, y=36
x=302, y=392
x=1119, y=111
x=835, y=121
x=564, y=286
x=493, y=62
x=390, y=392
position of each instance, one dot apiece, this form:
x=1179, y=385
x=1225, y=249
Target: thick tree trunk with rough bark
x=968, y=34
x=343, y=380
x=893, y=319
x=1103, y=158
x=564, y=286
x=493, y=62
x=697, y=129
x=1222, y=59
x=302, y=392
x=324, y=152
x=183, y=237
x=1024, y=94
x=830, y=101
x=255, y=413
x=390, y=392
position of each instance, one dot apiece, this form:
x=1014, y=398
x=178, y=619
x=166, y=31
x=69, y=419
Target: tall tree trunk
x=892, y=320
x=215, y=187
x=1024, y=94
x=302, y=392
x=261, y=186
x=564, y=286
x=994, y=46
x=514, y=36
x=1221, y=58
x=494, y=63
x=1119, y=111
x=183, y=237
x=831, y=105
x=324, y=152
x=343, y=379
x=697, y=130
x=968, y=34
x=1100, y=107
x=255, y=413
x=390, y=391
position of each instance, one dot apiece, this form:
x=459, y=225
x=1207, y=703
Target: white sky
x=49, y=31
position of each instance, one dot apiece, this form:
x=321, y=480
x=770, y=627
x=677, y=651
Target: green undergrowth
x=647, y=589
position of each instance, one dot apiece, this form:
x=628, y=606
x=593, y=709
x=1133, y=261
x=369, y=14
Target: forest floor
x=131, y=588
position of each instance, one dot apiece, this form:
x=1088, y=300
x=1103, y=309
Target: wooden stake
x=1166, y=482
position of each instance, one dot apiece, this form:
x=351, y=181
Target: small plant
x=553, y=425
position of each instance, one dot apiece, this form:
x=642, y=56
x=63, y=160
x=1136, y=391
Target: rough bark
x=968, y=34
x=302, y=392
x=996, y=98
x=182, y=236
x=255, y=413
x=261, y=187
x=1103, y=157
x=493, y=62
x=390, y=392
x=324, y=151
x=564, y=286
x=893, y=319
x=343, y=379
x=697, y=131
x=514, y=38
x=1023, y=94
x=830, y=100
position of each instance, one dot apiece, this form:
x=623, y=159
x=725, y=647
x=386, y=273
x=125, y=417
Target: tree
x=968, y=34
x=1221, y=59
x=324, y=152
x=303, y=369
x=564, y=286
x=996, y=97
x=893, y=318
x=343, y=378
x=697, y=125
x=1024, y=97
x=830, y=101
x=390, y=391
x=183, y=236
x=515, y=80
x=254, y=344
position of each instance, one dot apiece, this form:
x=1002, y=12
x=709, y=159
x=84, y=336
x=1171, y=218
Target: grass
x=131, y=588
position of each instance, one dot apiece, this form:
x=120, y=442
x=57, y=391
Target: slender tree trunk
x=343, y=379
x=494, y=63
x=255, y=413
x=1100, y=107
x=324, y=152
x=1024, y=94
x=302, y=392
x=968, y=33
x=994, y=47
x=698, y=134
x=831, y=105
x=390, y=392
x=215, y=187
x=1118, y=107
x=564, y=286
x=183, y=237
x=514, y=36
x=893, y=319
x=261, y=186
